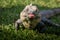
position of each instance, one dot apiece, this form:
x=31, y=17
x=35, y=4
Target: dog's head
x=30, y=14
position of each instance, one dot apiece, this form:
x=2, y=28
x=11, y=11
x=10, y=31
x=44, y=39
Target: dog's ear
x=31, y=4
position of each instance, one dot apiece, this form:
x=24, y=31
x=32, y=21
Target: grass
x=9, y=12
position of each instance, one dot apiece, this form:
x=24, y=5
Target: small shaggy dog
x=32, y=18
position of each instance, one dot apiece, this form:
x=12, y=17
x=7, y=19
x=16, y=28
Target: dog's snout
x=31, y=15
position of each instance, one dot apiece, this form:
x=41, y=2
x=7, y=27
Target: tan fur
x=34, y=23
x=25, y=13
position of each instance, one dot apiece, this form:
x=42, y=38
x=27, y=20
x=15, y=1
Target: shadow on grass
x=9, y=15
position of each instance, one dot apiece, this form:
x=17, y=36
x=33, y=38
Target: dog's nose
x=31, y=15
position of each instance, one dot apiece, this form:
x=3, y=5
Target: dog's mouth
x=31, y=16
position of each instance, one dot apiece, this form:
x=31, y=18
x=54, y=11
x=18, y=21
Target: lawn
x=9, y=12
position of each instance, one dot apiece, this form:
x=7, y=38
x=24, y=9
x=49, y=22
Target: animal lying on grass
x=32, y=18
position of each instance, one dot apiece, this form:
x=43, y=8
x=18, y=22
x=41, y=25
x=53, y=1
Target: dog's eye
x=24, y=16
x=36, y=11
